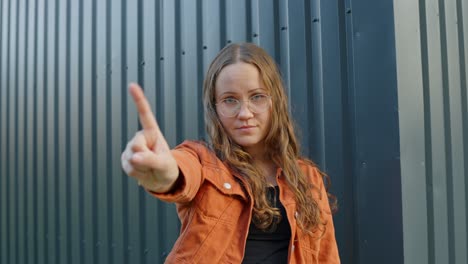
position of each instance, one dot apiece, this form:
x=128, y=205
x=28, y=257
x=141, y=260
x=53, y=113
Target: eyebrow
x=250, y=91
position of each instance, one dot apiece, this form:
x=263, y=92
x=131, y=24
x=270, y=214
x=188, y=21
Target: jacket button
x=227, y=185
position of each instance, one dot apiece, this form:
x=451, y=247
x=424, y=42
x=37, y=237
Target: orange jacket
x=215, y=213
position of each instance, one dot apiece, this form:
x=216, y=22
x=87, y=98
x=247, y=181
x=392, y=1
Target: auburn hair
x=281, y=143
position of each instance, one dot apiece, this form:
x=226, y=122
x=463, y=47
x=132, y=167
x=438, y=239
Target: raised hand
x=147, y=157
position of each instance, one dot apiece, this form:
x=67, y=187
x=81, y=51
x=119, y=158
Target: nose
x=244, y=111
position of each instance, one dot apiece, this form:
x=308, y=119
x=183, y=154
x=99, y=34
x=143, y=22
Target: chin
x=248, y=144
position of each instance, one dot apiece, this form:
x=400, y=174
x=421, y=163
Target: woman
x=246, y=196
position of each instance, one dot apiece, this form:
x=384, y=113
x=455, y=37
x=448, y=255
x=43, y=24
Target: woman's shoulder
x=196, y=145
x=199, y=149
x=319, y=182
x=310, y=170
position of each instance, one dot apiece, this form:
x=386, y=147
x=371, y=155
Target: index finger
x=147, y=119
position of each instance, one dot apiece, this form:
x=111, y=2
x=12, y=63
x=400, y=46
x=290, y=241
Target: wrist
x=162, y=184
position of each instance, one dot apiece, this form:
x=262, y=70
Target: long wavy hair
x=281, y=143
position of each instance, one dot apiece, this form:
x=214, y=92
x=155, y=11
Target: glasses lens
x=259, y=103
x=229, y=107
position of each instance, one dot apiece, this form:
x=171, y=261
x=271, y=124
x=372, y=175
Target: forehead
x=238, y=78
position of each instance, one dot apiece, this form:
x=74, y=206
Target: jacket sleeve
x=328, y=248
x=190, y=175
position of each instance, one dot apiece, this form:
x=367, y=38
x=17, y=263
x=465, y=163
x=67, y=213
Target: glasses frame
x=241, y=102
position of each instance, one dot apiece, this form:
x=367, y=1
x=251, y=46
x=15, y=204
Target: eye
x=258, y=98
x=230, y=101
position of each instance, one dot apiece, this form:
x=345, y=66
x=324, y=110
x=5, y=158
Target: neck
x=269, y=168
x=257, y=154
x=262, y=161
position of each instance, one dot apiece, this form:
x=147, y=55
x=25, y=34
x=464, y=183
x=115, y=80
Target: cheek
x=223, y=121
x=267, y=118
x=220, y=118
x=226, y=124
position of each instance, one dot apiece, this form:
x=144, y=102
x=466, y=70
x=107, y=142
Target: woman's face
x=241, y=82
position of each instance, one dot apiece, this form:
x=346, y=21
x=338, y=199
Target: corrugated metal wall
x=65, y=118
x=65, y=113
x=432, y=52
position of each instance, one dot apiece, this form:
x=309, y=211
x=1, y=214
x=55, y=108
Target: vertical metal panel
x=329, y=71
x=86, y=138
x=21, y=132
x=118, y=136
x=73, y=132
x=211, y=35
x=28, y=128
x=168, y=114
x=3, y=175
x=50, y=140
x=190, y=60
x=431, y=51
x=132, y=209
x=11, y=135
x=237, y=20
x=32, y=194
x=150, y=51
x=100, y=143
x=462, y=14
x=263, y=20
x=283, y=56
x=63, y=174
x=297, y=78
x=56, y=99
x=39, y=138
x=12, y=132
x=458, y=172
x=315, y=63
x=169, y=111
x=376, y=163
x=434, y=127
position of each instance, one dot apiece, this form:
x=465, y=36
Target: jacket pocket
x=220, y=196
x=212, y=226
x=216, y=205
x=204, y=238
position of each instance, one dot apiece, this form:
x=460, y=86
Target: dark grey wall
x=65, y=117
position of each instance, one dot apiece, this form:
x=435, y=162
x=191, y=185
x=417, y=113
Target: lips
x=246, y=129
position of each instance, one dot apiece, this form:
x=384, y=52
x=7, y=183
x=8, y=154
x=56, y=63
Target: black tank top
x=271, y=246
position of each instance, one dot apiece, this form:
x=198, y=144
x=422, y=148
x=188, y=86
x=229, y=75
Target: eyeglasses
x=230, y=107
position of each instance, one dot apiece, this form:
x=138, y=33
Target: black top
x=271, y=246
